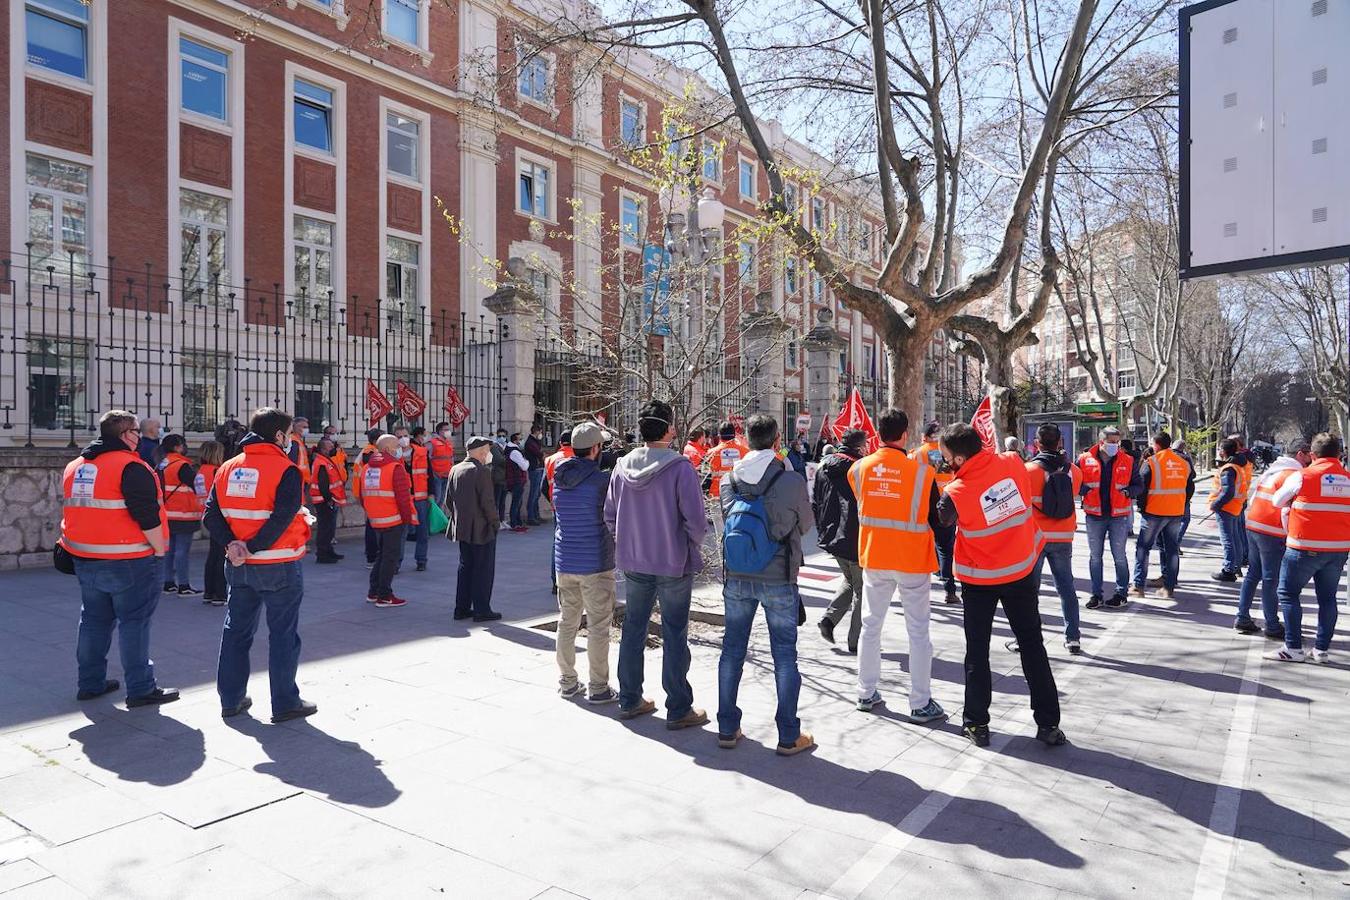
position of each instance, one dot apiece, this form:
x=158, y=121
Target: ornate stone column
x=518, y=311
x=762, y=349
x=822, y=345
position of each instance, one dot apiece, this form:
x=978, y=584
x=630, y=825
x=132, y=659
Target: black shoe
x=462, y=615
x=1248, y=627
x=1051, y=736
x=338, y=556
x=487, y=617
x=327, y=560
x=170, y=587
x=1095, y=601
x=827, y=630
x=1222, y=575
x=978, y=734
x=952, y=596
x=154, y=698
x=1117, y=601
x=421, y=567
x=187, y=590
x=304, y=709
x=231, y=711
x=555, y=589
x=108, y=687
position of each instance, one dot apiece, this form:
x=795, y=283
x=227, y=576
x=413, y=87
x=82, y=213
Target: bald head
x=387, y=444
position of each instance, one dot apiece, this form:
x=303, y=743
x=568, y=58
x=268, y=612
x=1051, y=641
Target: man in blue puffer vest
x=583, y=553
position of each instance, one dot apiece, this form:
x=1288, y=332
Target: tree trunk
x=998, y=384
x=906, y=353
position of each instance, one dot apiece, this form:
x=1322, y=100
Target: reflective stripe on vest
x=893, y=524
x=92, y=503
x=246, y=513
x=278, y=554
x=1301, y=543
x=1321, y=507
x=1263, y=528
x=1019, y=519
x=79, y=547
x=1004, y=572
x=174, y=515
x=95, y=521
x=385, y=520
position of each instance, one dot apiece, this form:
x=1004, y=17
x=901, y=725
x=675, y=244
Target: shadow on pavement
x=307, y=757
x=127, y=757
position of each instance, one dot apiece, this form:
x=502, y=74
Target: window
x=205, y=74
x=57, y=382
x=533, y=81
x=534, y=191
x=400, y=281
x=205, y=222
x=675, y=145
x=58, y=36
x=204, y=386
x=401, y=139
x=1128, y=381
x=790, y=197
x=630, y=123
x=313, y=116
x=401, y=20
x=712, y=162
x=792, y=362
x=313, y=242
x=630, y=221
x=869, y=361
x=817, y=288
x=747, y=180
x=745, y=257
x=865, y=239
x=541, y=285
x=818, y=214
x=313, y=388
x=790, y=275
x=58, y=213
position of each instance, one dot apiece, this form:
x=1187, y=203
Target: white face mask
x=445, y=432
x=404, y=441
x=1110, y=449
x=286, y=447
x=304, y=433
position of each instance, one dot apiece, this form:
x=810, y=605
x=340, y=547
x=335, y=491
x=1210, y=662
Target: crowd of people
x=638, y=512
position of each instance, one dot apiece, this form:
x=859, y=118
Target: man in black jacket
x=836, y=515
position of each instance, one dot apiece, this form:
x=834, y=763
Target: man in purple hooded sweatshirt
x=655, y=512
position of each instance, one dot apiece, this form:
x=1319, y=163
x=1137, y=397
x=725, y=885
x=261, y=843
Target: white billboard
x=1265, y=135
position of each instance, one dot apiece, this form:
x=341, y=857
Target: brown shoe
x=692, y=719
x=1136, y=591
x=729, y=741
x=1164, y=594
x=646, y=706
x=804, y=742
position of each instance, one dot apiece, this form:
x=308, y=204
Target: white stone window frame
x=233, y=257
x=741, y=162
x=336, y=113
x=337, y=264
x=24, y=202
x=527, y=158
x=422, y=300
x=423, y=121
x=18, y=24
x=338, y=159
x=419, y=48
x=625, y=98
x=550, y=62
x=335, y=8
x=747, y=271
x=232, y=55
x=635, y=242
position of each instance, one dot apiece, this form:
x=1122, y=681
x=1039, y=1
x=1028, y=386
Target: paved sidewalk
x=442, y=763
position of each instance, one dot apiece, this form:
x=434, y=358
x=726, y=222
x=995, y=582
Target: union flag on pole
x=983, y=422
x=377, y=404
x=455, y=408
x=410, y=403
x=854, y=415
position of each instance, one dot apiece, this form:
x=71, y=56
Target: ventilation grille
x=1320, y=76
x=1319, y=215
x=1319, y=7
x=1229, y=101
x=1229, y=35
x=1319, y=145
x=1230, y=164
x=1230, y=229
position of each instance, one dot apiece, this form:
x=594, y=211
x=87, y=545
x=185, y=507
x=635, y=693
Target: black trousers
x=473, y=584
x=372, y=544
x=1019, y=598
x=327, y=530
x=389, y=542
x=214, y=586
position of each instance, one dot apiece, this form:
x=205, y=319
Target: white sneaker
x=1319, y=656
x=1284, y=654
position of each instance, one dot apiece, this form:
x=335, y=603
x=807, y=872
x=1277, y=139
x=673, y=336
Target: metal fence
x=76, y=340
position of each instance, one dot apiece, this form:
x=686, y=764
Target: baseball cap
x=587, y=434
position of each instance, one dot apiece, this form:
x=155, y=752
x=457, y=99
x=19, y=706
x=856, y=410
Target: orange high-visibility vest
x=694, y=453
x=721, y=459
x=1167, y=474
x=931, y=453
x=997, y=541
x=442, y=456
x=892, y=492
x=301, y=457
x=201, y=487
x=1122, y=467
x=359, y=469
x=1319, y=517
x=1234, y=506
x=246, y=492
x=1249, y=473
x=420, y=481
x=378, y=499
x=95, y=523
x=1263, y=516
x=336, y=488
x=1058, y=530
x=340, y=460
x=180, y=501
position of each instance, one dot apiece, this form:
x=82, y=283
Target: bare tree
x=1310, y=306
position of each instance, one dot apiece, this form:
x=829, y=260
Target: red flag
x=983, y=422
x=455, y=408
x=410, y=403
x=854, y=415
x=377, y=404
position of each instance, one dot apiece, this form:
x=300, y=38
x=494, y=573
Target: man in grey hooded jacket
x=655, y=512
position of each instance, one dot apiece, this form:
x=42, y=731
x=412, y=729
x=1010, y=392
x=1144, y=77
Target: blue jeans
x=1324, y=570
x=436, y=486
x=517, y=505
x=536, y=489
x=1230, y=534
x=1242, y=536
x=1185, y=525
x=741, y=599
x=945, y=540
x=1265, y=552
x=421, y=532
x=1060, y=556
x=641, y=592
x=1166, y=532
x=123, y=592
x=177, y=558
x=1099, y=529
x=279, y=587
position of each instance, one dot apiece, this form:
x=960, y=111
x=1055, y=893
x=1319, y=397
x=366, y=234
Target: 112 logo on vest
x=1001, y=501
x=1333, y=485
x=243, y=483
x=372, y=478
x=199, y=485
x=83, y=484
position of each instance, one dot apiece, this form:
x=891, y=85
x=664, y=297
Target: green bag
x=437, y=520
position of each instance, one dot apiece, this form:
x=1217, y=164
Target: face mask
x=286, y=447
x=501, y=439
x=404, y=441
x=1110, y=449
x=304, y=433
x=445, y=433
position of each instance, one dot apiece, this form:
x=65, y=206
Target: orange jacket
x=180, y=501
x=931, y=453
x=1319, y=517
x=336, y=487
x=246, y=492
x=893, y=494
x=997, y=541
x=1166, y=474
x=1059, y=530
x=721, y=459
x=442, y=456
x=694, y=453
x=1232, y=507
x=206, y=476
x=418, y=469
x=95, y=523
x=1122, y=470
x=379, y=497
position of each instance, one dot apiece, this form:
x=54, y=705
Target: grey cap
x=478, y=441
x=1110, y=431
x=586, y=435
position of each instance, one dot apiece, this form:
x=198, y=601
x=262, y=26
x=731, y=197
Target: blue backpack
x=747, y=545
